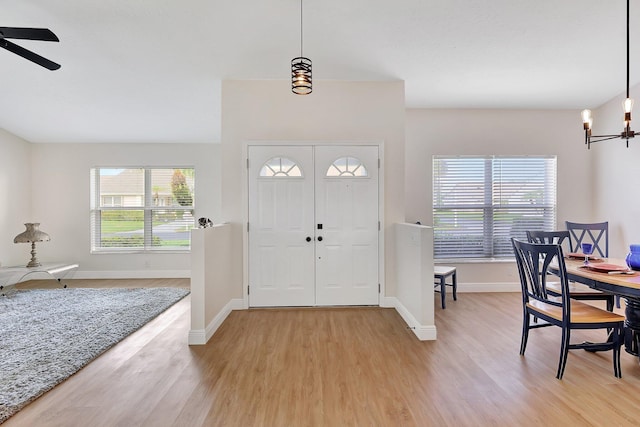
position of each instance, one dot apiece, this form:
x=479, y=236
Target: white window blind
x=141, y=209
x=479, y=203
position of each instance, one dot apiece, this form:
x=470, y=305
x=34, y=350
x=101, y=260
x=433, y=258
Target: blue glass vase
x=633, y=259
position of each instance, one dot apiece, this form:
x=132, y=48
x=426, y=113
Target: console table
x=9, y=276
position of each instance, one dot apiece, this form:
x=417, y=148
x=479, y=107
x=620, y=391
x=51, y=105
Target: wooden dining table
x=626, y=286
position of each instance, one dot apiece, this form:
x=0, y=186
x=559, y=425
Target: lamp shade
x=301, y=76
x=32, y=234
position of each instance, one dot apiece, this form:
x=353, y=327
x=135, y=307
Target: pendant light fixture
x=301, y=69
x=627, y=105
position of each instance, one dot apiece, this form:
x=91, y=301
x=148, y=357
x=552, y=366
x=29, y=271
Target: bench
x=440, y=274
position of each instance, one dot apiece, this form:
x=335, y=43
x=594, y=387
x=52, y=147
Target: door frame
x=245, y=206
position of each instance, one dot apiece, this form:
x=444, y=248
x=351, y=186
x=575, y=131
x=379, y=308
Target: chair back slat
x=596, y=233
x=533, y=260
x=549, y=237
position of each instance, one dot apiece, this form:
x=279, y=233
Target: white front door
x=313, y=225
x=347, y=222
x=281, y=260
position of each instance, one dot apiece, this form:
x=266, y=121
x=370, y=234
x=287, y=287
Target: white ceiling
x=151, y=70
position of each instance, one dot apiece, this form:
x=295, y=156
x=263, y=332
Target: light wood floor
x=344, y=367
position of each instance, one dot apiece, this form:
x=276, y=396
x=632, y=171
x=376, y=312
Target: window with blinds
x=480, y=202
x=141, y=209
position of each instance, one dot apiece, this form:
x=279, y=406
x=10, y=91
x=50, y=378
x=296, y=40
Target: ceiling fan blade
x=43, y=34
x=27, y=54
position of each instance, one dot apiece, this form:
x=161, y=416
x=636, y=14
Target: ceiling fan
x=42, y=34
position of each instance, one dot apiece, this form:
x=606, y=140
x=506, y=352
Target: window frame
x=147, y=207
x=458, y=243
x=346, y=172
x=293, y=172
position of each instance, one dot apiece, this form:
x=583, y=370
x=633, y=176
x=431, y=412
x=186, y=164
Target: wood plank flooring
x=343, y=367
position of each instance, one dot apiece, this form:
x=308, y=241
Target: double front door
x=313, y=225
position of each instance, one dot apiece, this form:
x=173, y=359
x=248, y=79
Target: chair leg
x=564, y=352
x=525, y=332
x=455, y=286
x=610, y=301
x=617, y=340
x=617, y=302
x=442, y=291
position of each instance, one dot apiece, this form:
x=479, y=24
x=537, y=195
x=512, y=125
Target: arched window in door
x=280, y=167
x=347, y=167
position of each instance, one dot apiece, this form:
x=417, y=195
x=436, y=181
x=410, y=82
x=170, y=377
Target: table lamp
x=32, y=235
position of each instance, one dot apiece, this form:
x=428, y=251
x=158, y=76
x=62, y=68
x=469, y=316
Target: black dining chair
x=533, y=260
x=576, y=290
x=596, y=233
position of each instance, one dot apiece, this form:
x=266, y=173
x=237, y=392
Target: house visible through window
x=112, y=201
x=479, y=203
x=141, y=209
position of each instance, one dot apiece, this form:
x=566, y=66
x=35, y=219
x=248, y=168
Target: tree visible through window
x=479, y=203
x=142, y=209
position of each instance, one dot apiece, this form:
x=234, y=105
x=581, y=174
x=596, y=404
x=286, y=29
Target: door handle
x=319, y=238
x=308, y=239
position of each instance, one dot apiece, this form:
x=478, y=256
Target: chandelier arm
x=602, y=138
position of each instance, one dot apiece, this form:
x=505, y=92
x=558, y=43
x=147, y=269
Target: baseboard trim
x=426, y=333
x=131, y=274
x=388, y=302
x=422, y=332
x=197, y=337
x=201, y=337
x=488, y=287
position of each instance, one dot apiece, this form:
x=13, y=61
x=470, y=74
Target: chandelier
x=627, y=105
x=301, y=69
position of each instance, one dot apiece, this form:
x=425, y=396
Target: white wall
x=414, y=300
x=15, y=197
x=60, y=202
x=336, y=112
x=211, y=281
x=616, y=175
x=501, y=132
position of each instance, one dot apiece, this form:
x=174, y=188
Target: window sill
x=138, y=252
x=474, y=261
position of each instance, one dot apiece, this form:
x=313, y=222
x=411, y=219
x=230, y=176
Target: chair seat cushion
x=580, y=312
x=443, y=270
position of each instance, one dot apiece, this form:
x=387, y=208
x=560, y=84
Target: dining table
x=611, y=275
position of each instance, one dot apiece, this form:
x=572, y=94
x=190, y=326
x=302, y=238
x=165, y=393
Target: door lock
x=308, y=239
x=319, y=238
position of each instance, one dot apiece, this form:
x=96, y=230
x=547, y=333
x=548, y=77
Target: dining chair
x=596, y=233
x=533, y=260
x=577, y=291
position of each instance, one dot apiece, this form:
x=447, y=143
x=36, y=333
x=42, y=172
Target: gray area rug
x=47, y=335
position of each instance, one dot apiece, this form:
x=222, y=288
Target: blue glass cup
x=587, y=248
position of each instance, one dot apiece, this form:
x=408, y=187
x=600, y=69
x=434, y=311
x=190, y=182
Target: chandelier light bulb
x=586, y=119
x=627, y=105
